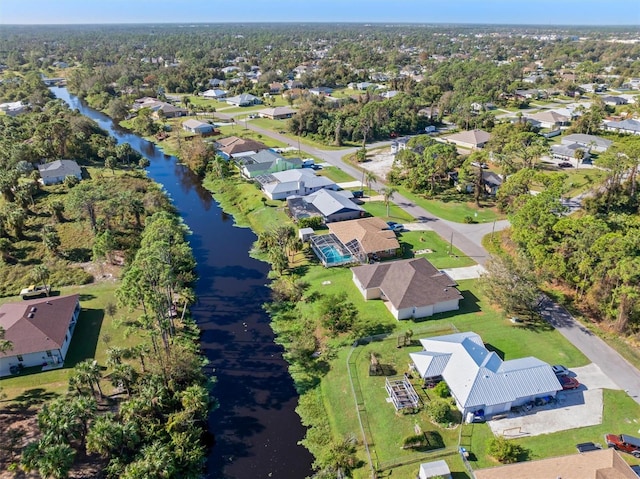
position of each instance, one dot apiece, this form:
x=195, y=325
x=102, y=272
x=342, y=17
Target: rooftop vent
x=30, y=315
x=33, y=309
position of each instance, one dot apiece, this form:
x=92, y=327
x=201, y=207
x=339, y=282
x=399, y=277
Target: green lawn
x=379, y=209
x=335, y=174
x=93, y=335
x=455, y=207
x=440, y=255
x=386, y=428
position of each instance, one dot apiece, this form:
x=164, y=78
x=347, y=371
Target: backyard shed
x=439, y=469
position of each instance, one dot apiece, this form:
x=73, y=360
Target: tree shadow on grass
x=85, y=337
x=30, y=398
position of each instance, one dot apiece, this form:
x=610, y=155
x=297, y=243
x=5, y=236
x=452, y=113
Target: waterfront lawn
x=94, y=334
x=385, y=427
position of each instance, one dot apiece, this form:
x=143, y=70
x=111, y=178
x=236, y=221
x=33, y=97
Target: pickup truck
x=35, y=291
x=624, y=443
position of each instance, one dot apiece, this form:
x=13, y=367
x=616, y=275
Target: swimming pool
x=333, y=255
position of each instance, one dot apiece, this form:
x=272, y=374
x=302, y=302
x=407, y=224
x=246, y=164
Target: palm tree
x=88, y=372
x=387, y=193
x=39, y=275
x=369, y=178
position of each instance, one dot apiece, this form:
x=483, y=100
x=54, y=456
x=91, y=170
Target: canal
x=256, y=427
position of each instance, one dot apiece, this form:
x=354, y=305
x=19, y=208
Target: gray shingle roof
x=59, y=168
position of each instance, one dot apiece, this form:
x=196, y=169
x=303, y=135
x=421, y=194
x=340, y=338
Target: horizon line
x=328, y=22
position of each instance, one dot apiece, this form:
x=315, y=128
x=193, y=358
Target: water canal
x=256, y=427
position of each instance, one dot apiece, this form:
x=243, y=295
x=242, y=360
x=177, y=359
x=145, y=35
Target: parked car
x=393, y=226
x=560, y=370
x=358, y=193
x=35, y=291
x=565, y=164
x=568, y=382
x=624, y=443
x=588, y=446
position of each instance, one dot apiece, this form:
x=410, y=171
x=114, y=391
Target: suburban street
x=468, y=239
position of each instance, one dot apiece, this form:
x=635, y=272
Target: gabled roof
x=568, y=150
x=243, y=98
x=549, y=116
x=473, y=137
x=233, y=145
x=587, y=140
x=478, y=377
x=290, y=180
x=37, y=324
x=59, y=168
x=277, y=111
x=373, y=234
x=329, y=202
x=629, y=125
x=408, y=283
x=192, y=124
x=602, y=464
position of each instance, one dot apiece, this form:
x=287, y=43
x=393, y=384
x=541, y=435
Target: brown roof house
x=411, y=288
x=234, y=147
x=469, y=138
x=373, y=236
x=602, y=464
x=39, y=330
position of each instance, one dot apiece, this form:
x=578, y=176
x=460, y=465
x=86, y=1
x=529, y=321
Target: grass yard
x=93, y=335
x=440, y=257
x=335, y=174
x=379, y=209
x=386, y=428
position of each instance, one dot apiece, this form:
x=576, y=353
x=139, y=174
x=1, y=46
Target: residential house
x=629, y=126
x=56, y=171
x=492, y=181
x=530, y=94
x=329, y=204
x=39, y=330
x=277, y=113
x=14, y=108
x=389, y=94
x=321, y=91
x=265, y=162
x=297, y=182
x=469, y=139
x=569, y=152
x=216, y=82
x=230, y=69
x=600, y=464
x=215, y=94
x=198, y=127
x=276, y=88
x=434, y=470
x=399, y=144
x=234, y=147
x=411, y=288
x=293, y=84
x=156, y=105
x=593, y=142
x=548, y=119
x=374, y=238
x=479, y=378
x=614, y=100
x=245, y=99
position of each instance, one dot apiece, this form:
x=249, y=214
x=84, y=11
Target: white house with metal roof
x=329, y=204
x=300, y=182
x=592, y=142
x=625, y=126
x=479, y=378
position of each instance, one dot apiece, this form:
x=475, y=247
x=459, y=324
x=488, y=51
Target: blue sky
x=551, y=12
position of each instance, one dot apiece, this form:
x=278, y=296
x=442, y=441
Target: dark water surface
x=256, y=427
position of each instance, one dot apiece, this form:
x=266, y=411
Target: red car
x=567, y=382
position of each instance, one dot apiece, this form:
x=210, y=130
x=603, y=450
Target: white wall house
x=56, y=171
x=40, y=331
x=479, y=378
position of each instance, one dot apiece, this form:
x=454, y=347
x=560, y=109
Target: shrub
x=70, y=181
x=439, y=411
x=414, y=441
x=314, y=222
x=505, y=451
x=469, y=219
x=442, y=390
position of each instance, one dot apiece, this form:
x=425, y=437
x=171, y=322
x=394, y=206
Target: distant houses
x=215, y=94
x=155, y=105
x=198, y=127
x=631, y=127
x=245, y=99
x=265, y=162
x=277, y=113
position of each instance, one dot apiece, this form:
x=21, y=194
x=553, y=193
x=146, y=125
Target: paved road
x=467, y=238
x=614, y=366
